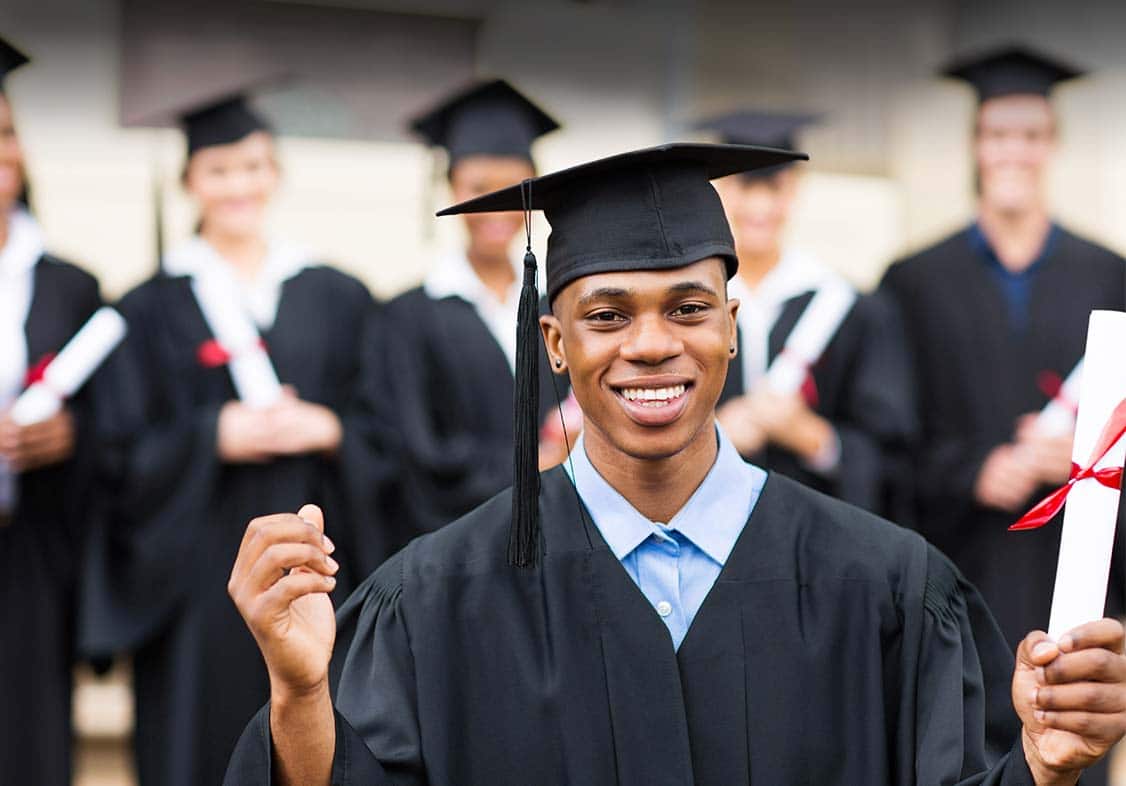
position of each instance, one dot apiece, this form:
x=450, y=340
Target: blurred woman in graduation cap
x=452, y=341
x=996, y=315
x=44, y=478
x=842, y=428
x=247, y=379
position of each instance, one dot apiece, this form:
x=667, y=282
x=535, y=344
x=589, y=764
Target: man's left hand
x=1071, y=698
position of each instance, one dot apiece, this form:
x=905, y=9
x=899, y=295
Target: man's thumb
x=313, y=515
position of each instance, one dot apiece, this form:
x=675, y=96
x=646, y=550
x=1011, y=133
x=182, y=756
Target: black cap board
x=1011, y=70
x=772, y=129
x=651, y=209
x=10, y=59
x=648, y=209
x=221, y=122
x=487, y=118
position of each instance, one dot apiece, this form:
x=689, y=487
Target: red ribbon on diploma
x=36, y=372
x=212, y=354
x=1111, y=477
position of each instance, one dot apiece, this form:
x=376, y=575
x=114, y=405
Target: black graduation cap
x=221, y=122
x=1011, y=70
x=773, y=129
x=10, y=59
x=488, y=118
x=651, y=209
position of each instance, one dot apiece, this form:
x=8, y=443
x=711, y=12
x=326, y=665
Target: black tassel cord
x=524, y=534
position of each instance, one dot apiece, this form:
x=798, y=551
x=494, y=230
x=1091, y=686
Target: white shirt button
x=664, y=608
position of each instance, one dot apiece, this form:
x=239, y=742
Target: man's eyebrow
x=693, y=286
x=604, y=293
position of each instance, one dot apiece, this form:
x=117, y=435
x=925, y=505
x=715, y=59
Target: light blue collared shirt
x=675, y=564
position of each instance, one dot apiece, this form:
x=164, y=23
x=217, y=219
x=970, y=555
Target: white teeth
x=653, y=394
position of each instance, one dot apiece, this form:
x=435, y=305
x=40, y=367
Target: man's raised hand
x=279, y=583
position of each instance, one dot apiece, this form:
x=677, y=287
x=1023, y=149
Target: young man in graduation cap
x=661, y=612
x=996, y=317
x=854, y=413
x=451, y=343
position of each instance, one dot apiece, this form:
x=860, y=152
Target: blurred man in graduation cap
x=659, y=612
x=44, y=479
x=199, y=430
x=451, y=343
x=996, y=316
x=854, y=412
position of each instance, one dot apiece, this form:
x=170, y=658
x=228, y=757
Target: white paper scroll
x=1057, y=418
x=1092, y=509
x=250, y=368
x=70, y=369
x=809, y=338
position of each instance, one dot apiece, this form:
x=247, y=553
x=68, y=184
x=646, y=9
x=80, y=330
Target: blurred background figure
x=854, y=414
x=451, y=343
x=193, y=453
x=44, y=480
x=997, y=317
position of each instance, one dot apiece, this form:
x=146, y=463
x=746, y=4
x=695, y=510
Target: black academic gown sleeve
x=452, y=668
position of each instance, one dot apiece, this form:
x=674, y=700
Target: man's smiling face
x=647, y=352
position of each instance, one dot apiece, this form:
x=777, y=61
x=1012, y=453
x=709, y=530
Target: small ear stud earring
x=731, y=350
x=558, y=363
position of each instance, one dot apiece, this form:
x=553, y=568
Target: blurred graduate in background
x=452, y=342
x=200, y=435
x=997, y=316
x=44, y=480
x=841, y=432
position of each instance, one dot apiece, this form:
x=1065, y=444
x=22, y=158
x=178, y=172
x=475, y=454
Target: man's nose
x=651, y=341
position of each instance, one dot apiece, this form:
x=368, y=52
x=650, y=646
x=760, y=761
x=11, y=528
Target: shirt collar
x=24, y=246
x=713, y=518
x=453, y=276
x=198, y=258
x=980, y=243
x=795, y=274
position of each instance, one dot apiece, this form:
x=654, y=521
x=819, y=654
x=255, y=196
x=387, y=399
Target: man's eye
x=604, y=316
x=689, y=309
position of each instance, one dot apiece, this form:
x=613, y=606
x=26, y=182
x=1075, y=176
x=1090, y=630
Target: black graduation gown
x=835, y=648
x=451, y=393
x=975, y=376
x=39, y=554
x=176, y=513
x=863, y=388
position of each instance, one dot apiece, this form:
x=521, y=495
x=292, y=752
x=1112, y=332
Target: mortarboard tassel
x=524, y=534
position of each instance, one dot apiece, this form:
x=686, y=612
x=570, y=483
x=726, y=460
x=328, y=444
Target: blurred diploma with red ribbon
x=68, y=371
x=1092, y=493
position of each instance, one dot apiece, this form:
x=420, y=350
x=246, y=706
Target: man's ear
x=733, y=323
x=553, y=341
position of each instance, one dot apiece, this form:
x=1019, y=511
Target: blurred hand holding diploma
x=38, y=430
x=1069, y=687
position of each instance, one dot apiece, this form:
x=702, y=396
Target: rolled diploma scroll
x=1057, y=418
x=250, y=368
x=1092, y=509
x=809, y=338
x=70, y=369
